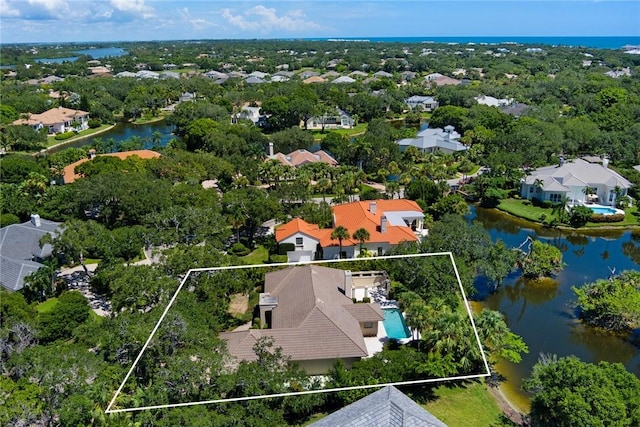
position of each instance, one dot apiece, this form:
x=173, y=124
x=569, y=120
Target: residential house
x=388, y=222
x=427, y=103
x=433, y=140
x=382, y=75
x=308, y=315
x=69, y=174
x=580, y=181
x=20, y=250
x=57, y=120
x=301, y=157
x=249, y=113
x=440, y=80
x=313, y=79
x=343, y=80
x=516, y=109
x=492, y=101
x=358, y=73
x=340, y=119
x=308, y=73
x=254, y=80
x=385, y=407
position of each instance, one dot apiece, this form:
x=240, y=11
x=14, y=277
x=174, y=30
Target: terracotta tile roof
x=311, y=310
x=301, y=157
x=314, y=79
x=298, y=225
x=52, y=116
x=357, y=215
x=70, y=176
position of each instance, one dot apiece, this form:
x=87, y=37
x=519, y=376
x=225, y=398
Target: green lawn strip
x=46, y=306
x=259, y=256
x=51, y=141
x=526, y=211
x=469, y=404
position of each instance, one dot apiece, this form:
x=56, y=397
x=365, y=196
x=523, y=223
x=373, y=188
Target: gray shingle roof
x=20, y=250
x=386, y=407
x=576, y=173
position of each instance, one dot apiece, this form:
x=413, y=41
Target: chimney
x=383, y=224
x=35, y=220
x=605, y=162
x=271, y=149
x=372, y=207
x=561, y=161
x=348, y=283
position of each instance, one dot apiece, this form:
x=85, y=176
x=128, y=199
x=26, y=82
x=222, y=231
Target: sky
x=34, y=21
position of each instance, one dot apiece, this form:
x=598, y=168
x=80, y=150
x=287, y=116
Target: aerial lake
x=542, y=312
x=124, y=131
x=97, y=53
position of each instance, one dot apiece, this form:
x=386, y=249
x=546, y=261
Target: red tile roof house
x=301, y=157
x=57, y=120
x=389, y=222
x=310, y=317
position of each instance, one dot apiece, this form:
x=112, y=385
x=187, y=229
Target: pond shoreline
x=74, y=139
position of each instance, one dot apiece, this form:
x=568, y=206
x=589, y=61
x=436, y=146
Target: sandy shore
x=508, y=408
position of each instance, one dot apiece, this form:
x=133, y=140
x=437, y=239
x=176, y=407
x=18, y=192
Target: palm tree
x=323, y=185
x=361, y=235
x=538, y=184
x=340, y=233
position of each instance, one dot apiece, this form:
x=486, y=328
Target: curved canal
x=542, y=313
x=150, y=134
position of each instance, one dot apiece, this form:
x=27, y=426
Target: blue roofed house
x=427, y=103
x=386, y=407
x=571, y=179
x=433, y=140
x=20, y=251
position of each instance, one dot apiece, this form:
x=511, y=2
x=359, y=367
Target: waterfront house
x=578, y=180
x=57, y=120
x=20, y=250
x=388, y=222
x=433, y=140
x=307, y=312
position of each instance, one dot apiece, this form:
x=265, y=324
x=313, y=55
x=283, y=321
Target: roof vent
x=35, y=220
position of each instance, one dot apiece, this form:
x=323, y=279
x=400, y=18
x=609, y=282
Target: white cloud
x=196, y=23
x=7, y=11
x=261, y=18
x=134, y=7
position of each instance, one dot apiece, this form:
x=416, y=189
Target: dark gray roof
x=20, y=250
x=386, y=407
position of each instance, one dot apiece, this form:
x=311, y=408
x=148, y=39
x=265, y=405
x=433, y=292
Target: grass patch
x=527, y=211
x=46, y=306
x=51, y=141
x=469, y=404
x=260, y=255
x=358, y=129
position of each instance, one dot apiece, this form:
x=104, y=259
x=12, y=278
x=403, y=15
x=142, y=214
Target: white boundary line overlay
x=109, y=409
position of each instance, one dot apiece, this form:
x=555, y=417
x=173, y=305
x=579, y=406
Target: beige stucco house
x=57, y=120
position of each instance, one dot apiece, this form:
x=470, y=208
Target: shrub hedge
x=606, y=218
x=65, y=135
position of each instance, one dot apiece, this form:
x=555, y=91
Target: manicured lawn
x=467, y=405
x=46, y=306
x=51, y=141
x=526, y=211
x=356, y=130
x=260, y=255
x=630, y=218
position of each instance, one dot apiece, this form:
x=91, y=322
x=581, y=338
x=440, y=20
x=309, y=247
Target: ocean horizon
x=598, y=42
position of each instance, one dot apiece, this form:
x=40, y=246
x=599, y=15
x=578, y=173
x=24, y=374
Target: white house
x=57, y=120
x=432, y=140
x=428, y=103
x=338, y=120
x=571, y=179
x=492, y=101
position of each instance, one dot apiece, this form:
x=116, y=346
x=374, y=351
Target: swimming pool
x=603, y=210
x=394, y=324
